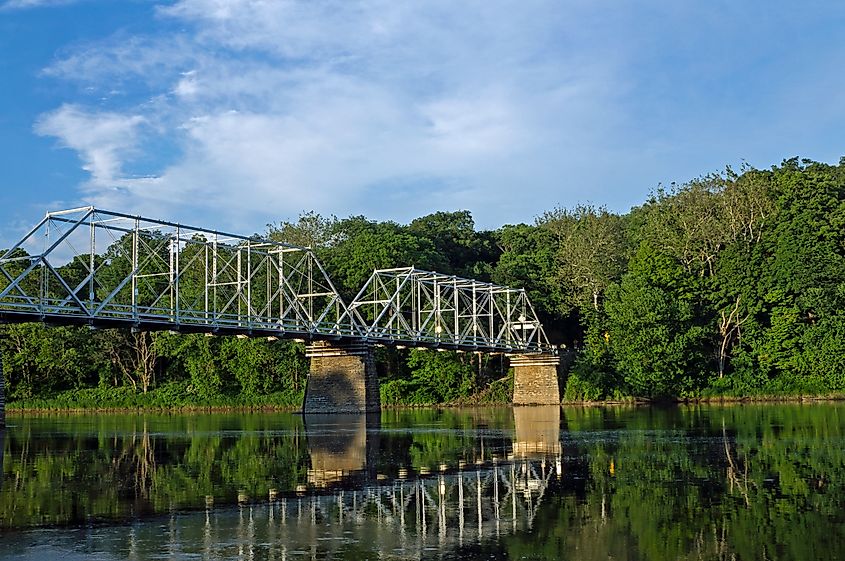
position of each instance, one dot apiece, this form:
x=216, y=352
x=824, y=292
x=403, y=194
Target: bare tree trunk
x=729, y=325
x=135, y=359
x=145, y=358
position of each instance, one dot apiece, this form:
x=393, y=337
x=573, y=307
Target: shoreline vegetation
x=49, y=407
x=727, y=287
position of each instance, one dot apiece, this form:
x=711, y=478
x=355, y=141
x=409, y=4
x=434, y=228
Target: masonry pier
x=535, y=379
x=342, y=379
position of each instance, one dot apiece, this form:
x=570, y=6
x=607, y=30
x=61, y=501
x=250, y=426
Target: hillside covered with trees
x=731, y=284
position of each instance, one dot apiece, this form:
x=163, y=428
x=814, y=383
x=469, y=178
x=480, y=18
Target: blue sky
x=236, y=113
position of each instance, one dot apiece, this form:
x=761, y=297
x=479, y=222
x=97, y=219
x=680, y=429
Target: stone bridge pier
x=342, y=379
x=535, y=379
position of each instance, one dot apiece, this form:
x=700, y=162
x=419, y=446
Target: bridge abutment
x=535, y=379
x=342, y=379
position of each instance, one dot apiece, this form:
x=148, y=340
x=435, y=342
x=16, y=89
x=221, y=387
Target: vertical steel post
x=474, y=315
x=416, y=290
x=491, y=336
x=249, y=284
x=43, y=280
x=91, y=265
x=177, y=273
x=397, y=308
x=311, y=291
x=171, y=281
x=457, y=330
x=508, y=319
x=214, y=279
x=239, y=286
x=205, y=281
x=281, y=269
x=135, y=272
x=268, y=303
x=437, y=319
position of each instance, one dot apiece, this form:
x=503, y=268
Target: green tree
x=466, y=252
x=363, y=246
x=589, y=254
x=655, y=328
x=310, y=230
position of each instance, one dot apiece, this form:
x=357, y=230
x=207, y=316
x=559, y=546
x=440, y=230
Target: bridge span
x=104, y=269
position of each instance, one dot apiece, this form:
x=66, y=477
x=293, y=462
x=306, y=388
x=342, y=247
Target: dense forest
x=732, y=284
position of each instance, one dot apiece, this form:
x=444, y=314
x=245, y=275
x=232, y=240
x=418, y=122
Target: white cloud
x=152, y=60
x=394, y=109
x=102, y=139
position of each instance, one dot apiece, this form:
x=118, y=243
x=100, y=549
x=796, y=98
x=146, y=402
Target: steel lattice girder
x=425, y=308
x=104, y=267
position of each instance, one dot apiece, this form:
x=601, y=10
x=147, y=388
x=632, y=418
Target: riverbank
x=281, y=403
x=174, y=396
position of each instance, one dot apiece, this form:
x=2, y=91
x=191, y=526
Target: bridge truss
x=108, y=269
x=425, y=308
x=93, y=266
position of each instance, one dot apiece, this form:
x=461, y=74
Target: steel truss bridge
x=89, y=266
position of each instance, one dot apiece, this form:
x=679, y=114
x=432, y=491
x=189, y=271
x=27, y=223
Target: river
x=685, y=482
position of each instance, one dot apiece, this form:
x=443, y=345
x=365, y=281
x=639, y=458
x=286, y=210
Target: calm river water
x=734, y=482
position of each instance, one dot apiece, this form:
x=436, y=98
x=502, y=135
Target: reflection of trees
x=455, y=439
x=737, y=478
x=69, y=469
x=135, y=464
x=768, y=483
x=117, y=466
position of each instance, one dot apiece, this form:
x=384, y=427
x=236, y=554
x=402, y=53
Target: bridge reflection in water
x=438, y=507
x=353, y=508
x=403, y=519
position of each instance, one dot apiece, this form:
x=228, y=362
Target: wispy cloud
x=103, y=140
x=25, y=4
